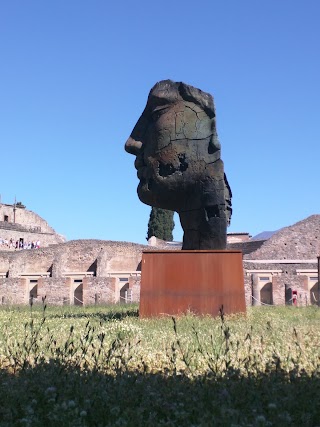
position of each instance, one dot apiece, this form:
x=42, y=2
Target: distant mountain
x=265, y=235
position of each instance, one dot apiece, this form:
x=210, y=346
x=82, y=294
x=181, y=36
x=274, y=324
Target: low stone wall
x=62, y=290
x=13, y=291
x=45, y=239
x=18, y=227
x=298, y=283
x=283, y=278
x=97, y=256
x=76, y=272
x=99, y=290
x=55, y=291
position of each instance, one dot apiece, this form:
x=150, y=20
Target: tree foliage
x=161, y=224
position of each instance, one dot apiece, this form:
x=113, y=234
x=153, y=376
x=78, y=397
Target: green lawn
x=103, y=366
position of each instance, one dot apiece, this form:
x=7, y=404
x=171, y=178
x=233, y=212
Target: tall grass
x=103, y=366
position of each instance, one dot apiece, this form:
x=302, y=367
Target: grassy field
x=103, y=366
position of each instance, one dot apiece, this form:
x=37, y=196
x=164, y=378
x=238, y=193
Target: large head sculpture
x=178, y=162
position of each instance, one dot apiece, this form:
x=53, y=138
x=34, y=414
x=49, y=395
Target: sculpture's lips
x=142, y=172
x=141, y=167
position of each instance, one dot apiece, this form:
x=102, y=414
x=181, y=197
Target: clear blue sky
x=75, y=76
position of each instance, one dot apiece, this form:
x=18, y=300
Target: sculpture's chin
x=150, y=194
x=143, y=193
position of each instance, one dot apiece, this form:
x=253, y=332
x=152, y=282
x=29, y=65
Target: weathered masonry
x=19, y=224
x=78, y=272
x=284, y=270
x=280, y=270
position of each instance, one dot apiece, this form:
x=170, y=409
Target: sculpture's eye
x=156, y=115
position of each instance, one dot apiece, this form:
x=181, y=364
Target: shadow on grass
x=101, y=315
x=52, y=394
x=103, y=312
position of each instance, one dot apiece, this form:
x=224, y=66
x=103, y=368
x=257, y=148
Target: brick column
x=278, y=291
x=68, y=285
x=134, y=286
x=41, y=289
x=255, y=290
x=86, y=294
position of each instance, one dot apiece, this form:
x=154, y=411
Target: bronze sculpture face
x=178, y=162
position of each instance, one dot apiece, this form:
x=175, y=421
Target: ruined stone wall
x=288, y=278
x=248, y=289
x=237, y=237
x=103, y=260
x=19, y=223
x=24, y=217
x=4, y=263
x=246, y=247
x=30, y=261
x=16, y=223
x=60, y=291
x=298, y=283
x=45, y=239
x=13, y=291
x=99, y=290
x=55, y=291
x=67, y=265
x=100, y=256
x=299, y=241
x=134, y=286
x=287, y=269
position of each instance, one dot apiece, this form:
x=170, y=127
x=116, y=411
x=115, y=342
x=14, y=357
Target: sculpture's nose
x=132, y=146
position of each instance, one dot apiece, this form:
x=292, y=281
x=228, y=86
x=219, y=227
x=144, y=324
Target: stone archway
x=33, y=293
x=124, y=294
x=32, y=287
x=78, y=294
x=266, y=294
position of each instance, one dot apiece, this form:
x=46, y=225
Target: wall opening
x=93, y=268
x=5, y=218
x=78, y=294
x=314, y=294
x=33, y=294
x=288, y=295
x=50, y=270
x=266, y=294
x=125, y=296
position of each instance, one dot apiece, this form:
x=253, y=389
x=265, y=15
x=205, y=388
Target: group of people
x=19, y=244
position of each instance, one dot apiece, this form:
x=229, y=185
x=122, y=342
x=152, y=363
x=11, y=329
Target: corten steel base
x=175, y=282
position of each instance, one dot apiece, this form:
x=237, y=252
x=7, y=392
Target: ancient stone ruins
x=179, y=165
x=280, y=270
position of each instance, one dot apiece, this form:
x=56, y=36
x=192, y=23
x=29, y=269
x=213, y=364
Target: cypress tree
x=161, y=224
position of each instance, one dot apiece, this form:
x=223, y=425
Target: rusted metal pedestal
x=175, y=282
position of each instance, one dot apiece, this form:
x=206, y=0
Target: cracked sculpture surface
x=178, y=162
